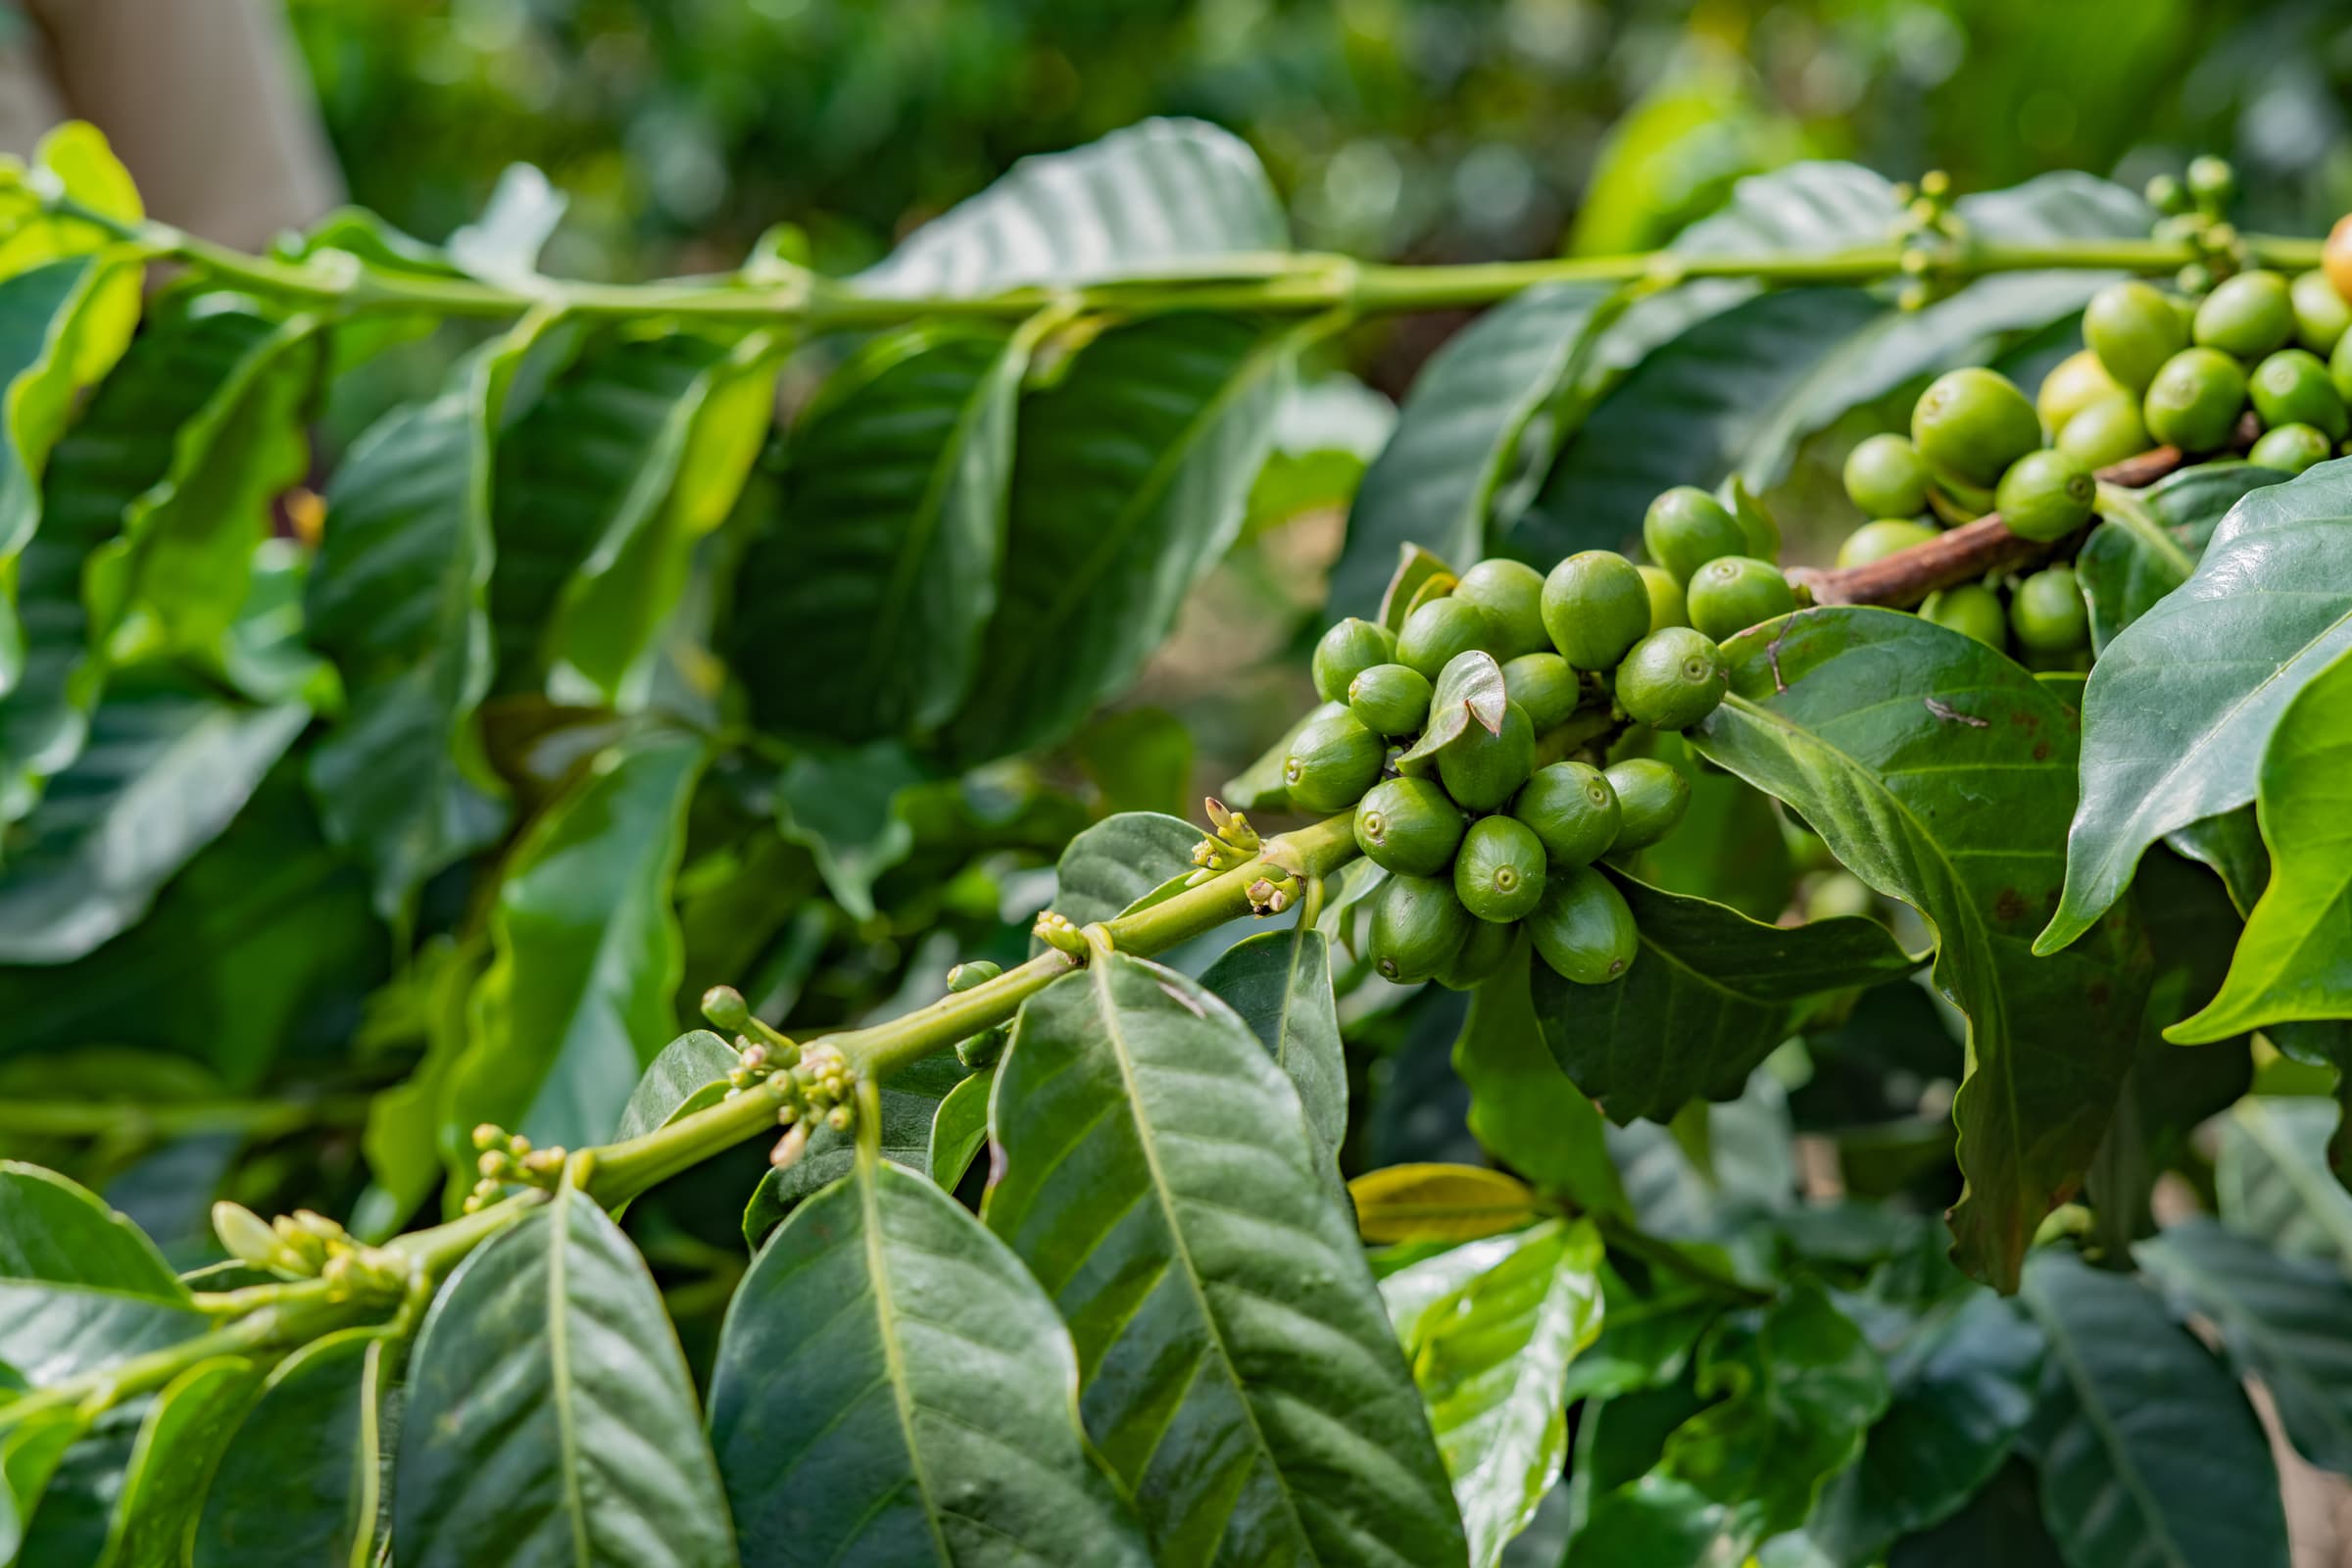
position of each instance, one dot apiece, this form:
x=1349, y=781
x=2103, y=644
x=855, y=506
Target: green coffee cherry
x=1410, y=826
x=2247, y=315
x=1332, y=762
x=2133, y=328
x=2291, y=387
x=2107, y=432
x=1971, y=610
x=1573, y=811
x=1672, y=678
x=2166, y=195
x=1876, y=541
x=2077, y=382
x=1390, y=699
x=1498, y=875
x=2046, y=496
x=1545, y=686
x=1651, y=798
x=1346, y=651
x=1511, y=593
x=2321, y=314
x=1667, y=605
x=2047, y=613
x=2212, y=182
x=1685, y=529
x=1886, y=477
x=2194, y=400
x=2290, y=449
x=1583, y=928
x=1597, y=605
x=1733, y=593
x=1482, y=770
x=1417, y=927
x=1438, y=630
x=1972, y=424
x=1479, y=957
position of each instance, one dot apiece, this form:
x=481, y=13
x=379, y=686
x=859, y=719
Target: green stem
x=256, y=1119
x=1658, y=1252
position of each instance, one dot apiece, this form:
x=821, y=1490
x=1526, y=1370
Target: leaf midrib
x=559, y=1354
x=894, y=1357
x=2111, y=1439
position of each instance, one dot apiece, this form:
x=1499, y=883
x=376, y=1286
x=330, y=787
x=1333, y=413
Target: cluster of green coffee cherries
x=1476, y=837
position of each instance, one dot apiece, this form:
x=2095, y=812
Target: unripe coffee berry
x=2133, y=328
x=2291, y=387
x=1876, y=541
x=1971, y=610
x=1498, y=875
x=1733, y=593
x=1886, y=477
x=1545, y=686
x=2048, y=612
x=2321, y=314
x=1482, y=769
x=1651, y=798
x=2105, y=433
x=1972, y=424
x=1667, y=605
x=1390, y=699
x=1332, y=761
x=2247, y=315
x=1346, y=651
x=1418, y=924
x=1573, y=812
x=2077, y=382
x=1435, y=634
x=2046, y=496
x=1583, y=928
x=2194, y=400
x=1672, y=678
x=1410, y=826
x=1685, y=529
x=1597, y=605
x=2290, y=449
x=1511, y=593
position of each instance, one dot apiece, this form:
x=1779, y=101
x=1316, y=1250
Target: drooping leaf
x=1523, y=1109
x=300, y=1483
x=2274, y=1183
x=1237, y=1370
x=1151, y=197
x=165, y=769
x=1468, y=691
x=2147, y=1447
x=1128, y=483
x=588, y=952
x=81, y=1288
x=398, y=601
x=549, y=1410
x=2295, y=961
x=843, y=805
x=950, y=1390
x=910, y=1100
x=2280, y=1319
x=689, y=1075
x=872, y=588
x=1709, y=997
x=1460, y=434
x=164, y=1487
x=1428, y=1202
x=1280, y=983
x=1493, y=1366
x=959, y=1128
x=1939, y=772
x=2123, y=575
x=2181, y=706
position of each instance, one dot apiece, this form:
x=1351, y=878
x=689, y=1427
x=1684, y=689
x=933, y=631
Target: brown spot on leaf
x=2042, y=751
x=2010, y=906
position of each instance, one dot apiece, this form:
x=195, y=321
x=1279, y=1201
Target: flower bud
x=725, y=1008
x=248, y=1236
x=977, y=972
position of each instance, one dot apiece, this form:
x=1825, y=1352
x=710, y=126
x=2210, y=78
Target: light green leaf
x=959, y=1128
x=166, y=770
x=1940, y=773
x=1709, y=997
x=29, y=1452
x=842, y=804
x=1149, y=198
x=2274, y=1181
x=952, y=1435
x=549, y=1409
x=398, y=600
x=870, y=590
x=2181, y=706
x=1523, y=1110
x=588, y=952
x=170, y=1469
x=1435, y=1201
x=299, y=1485
x=2281, y=1321
x=1190, y=1241
x=1460, y=436
x=689, y=1075
x=1128, y=482
x=1493, y=1368
x=2148, y=1449
x=81, y=1288
x=2123, y=575
x=1469, y=690
x=1280, y=983
x=2294, y=958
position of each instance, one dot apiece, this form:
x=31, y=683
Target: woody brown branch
x=1976, y=549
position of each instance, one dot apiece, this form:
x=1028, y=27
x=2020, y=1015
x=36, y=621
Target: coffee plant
x=1902, y=938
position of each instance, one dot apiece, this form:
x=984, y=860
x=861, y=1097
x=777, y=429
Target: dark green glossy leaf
x=164, y=1487
x=1523, y=1109
x=165, y=770
x=2274, y=1181
x=1730, y=845
x=1118, y=860
x=1238, y=1371
x=300, y=1484
x=2295, y=961
x=2281, y=1319
x=911, y=1101
x=2230, y=847
x=1940, y=773
x=959, y=1128
x=2148, y=1449
x=1149, y=197
x=76, y=1512
x=1461, y=435
x=398, y=601
x=866, y=598
x=81, y=1289
x=842, y=804
x=689, y=1075
x=1280, y=983
x=2000, y=1524
x=2182, y=704
x=1129, y=483
x=1709, y=997
x=2123, y=575
x=549, y=1411
x=588, y=952
x=950, y=1390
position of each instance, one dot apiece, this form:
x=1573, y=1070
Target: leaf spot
x=1952, y=716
